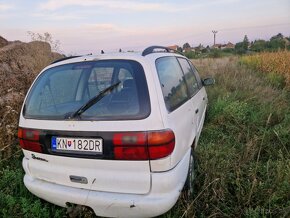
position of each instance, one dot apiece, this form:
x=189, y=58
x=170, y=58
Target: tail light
x=150, y=145
x=29, y=139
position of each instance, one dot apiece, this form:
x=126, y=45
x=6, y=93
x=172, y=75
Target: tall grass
x=244, y=146
x=275, y=64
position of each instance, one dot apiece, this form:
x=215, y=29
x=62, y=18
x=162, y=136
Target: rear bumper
x=165, y=190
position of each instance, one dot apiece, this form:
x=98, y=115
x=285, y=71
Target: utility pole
x=214, y=34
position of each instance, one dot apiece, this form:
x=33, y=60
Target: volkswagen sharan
x=114, y=132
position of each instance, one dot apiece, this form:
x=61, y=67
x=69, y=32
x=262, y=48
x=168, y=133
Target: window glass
x=196, y=74
x=189, y=76
x=60, y=91
x=100, y=78
x=172, y=82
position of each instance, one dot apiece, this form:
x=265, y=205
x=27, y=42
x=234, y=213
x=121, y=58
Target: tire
x=188, y=189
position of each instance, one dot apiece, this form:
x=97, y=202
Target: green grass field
x=243, y=154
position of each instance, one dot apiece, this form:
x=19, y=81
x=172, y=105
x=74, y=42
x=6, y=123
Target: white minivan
x=113, y=132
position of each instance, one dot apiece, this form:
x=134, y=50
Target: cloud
x=134, y=5
x=5, y=7
x=113, y=4
x=56, y=16
x=101, y=27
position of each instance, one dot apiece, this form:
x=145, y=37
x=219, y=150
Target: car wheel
x=188, y=189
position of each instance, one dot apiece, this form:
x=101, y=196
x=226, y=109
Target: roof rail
x=151, y=49
x=65, y=58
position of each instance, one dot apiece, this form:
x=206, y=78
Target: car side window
x=190, y=79
x=172, y=82
x=196, y=74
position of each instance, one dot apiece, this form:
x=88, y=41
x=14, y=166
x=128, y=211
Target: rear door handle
x=196, y=111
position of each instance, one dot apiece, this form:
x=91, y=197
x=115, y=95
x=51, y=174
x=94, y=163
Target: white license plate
x=77, y=144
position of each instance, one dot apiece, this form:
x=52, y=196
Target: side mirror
x=208, y=81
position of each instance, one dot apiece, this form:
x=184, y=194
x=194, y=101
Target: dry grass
x=271, y=63
x=19, y=65
x=244, y=144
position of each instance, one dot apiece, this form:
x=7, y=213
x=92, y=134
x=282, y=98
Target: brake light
x=29, y=139
x=130, y=146
x=150, y=145
x=160, y=144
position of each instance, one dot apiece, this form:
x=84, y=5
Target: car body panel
x=166, y=188
x=101, y=175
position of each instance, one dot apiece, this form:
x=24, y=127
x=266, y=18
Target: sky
x=88, y=26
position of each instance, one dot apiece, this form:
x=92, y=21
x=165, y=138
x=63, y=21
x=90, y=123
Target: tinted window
x=189, y=76
x=196, y=74
x=62, y=90
x=172, y=82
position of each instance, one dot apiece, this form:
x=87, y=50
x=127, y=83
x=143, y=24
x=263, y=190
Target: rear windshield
x=61, y=91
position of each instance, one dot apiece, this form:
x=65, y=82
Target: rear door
x=196, y=96
x=202, y=95
x=178, y=115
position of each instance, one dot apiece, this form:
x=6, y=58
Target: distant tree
x=259, y=45
x=246, y=42
x=240, y=48
x=278, y=36
x=45, y=37
x=276, y=42
x=186, y=45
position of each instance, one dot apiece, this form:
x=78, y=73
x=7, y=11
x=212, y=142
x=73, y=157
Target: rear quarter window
x=197, y=76
x=189, y=75
x=172, y=82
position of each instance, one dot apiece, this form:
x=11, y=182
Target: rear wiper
x=94, y=100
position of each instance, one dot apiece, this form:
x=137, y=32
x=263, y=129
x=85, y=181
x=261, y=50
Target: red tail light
x=143, y=145
x=29, y=139
x=160, y=144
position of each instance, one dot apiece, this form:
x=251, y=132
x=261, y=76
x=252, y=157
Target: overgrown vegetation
x=243, y=155
x=245, y=145
x=275, y=65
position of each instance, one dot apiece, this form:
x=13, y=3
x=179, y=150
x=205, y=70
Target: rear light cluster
x=149, y=145
x=29, y=139
x=143, y=145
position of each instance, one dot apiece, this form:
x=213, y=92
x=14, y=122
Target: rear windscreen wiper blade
x=94, y=100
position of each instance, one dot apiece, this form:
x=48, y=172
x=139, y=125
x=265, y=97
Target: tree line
x=275, y=43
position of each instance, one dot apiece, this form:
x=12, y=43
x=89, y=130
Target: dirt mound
x=3, y=42
x=19, y=65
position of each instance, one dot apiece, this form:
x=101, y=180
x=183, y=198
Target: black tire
x=188, y=189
